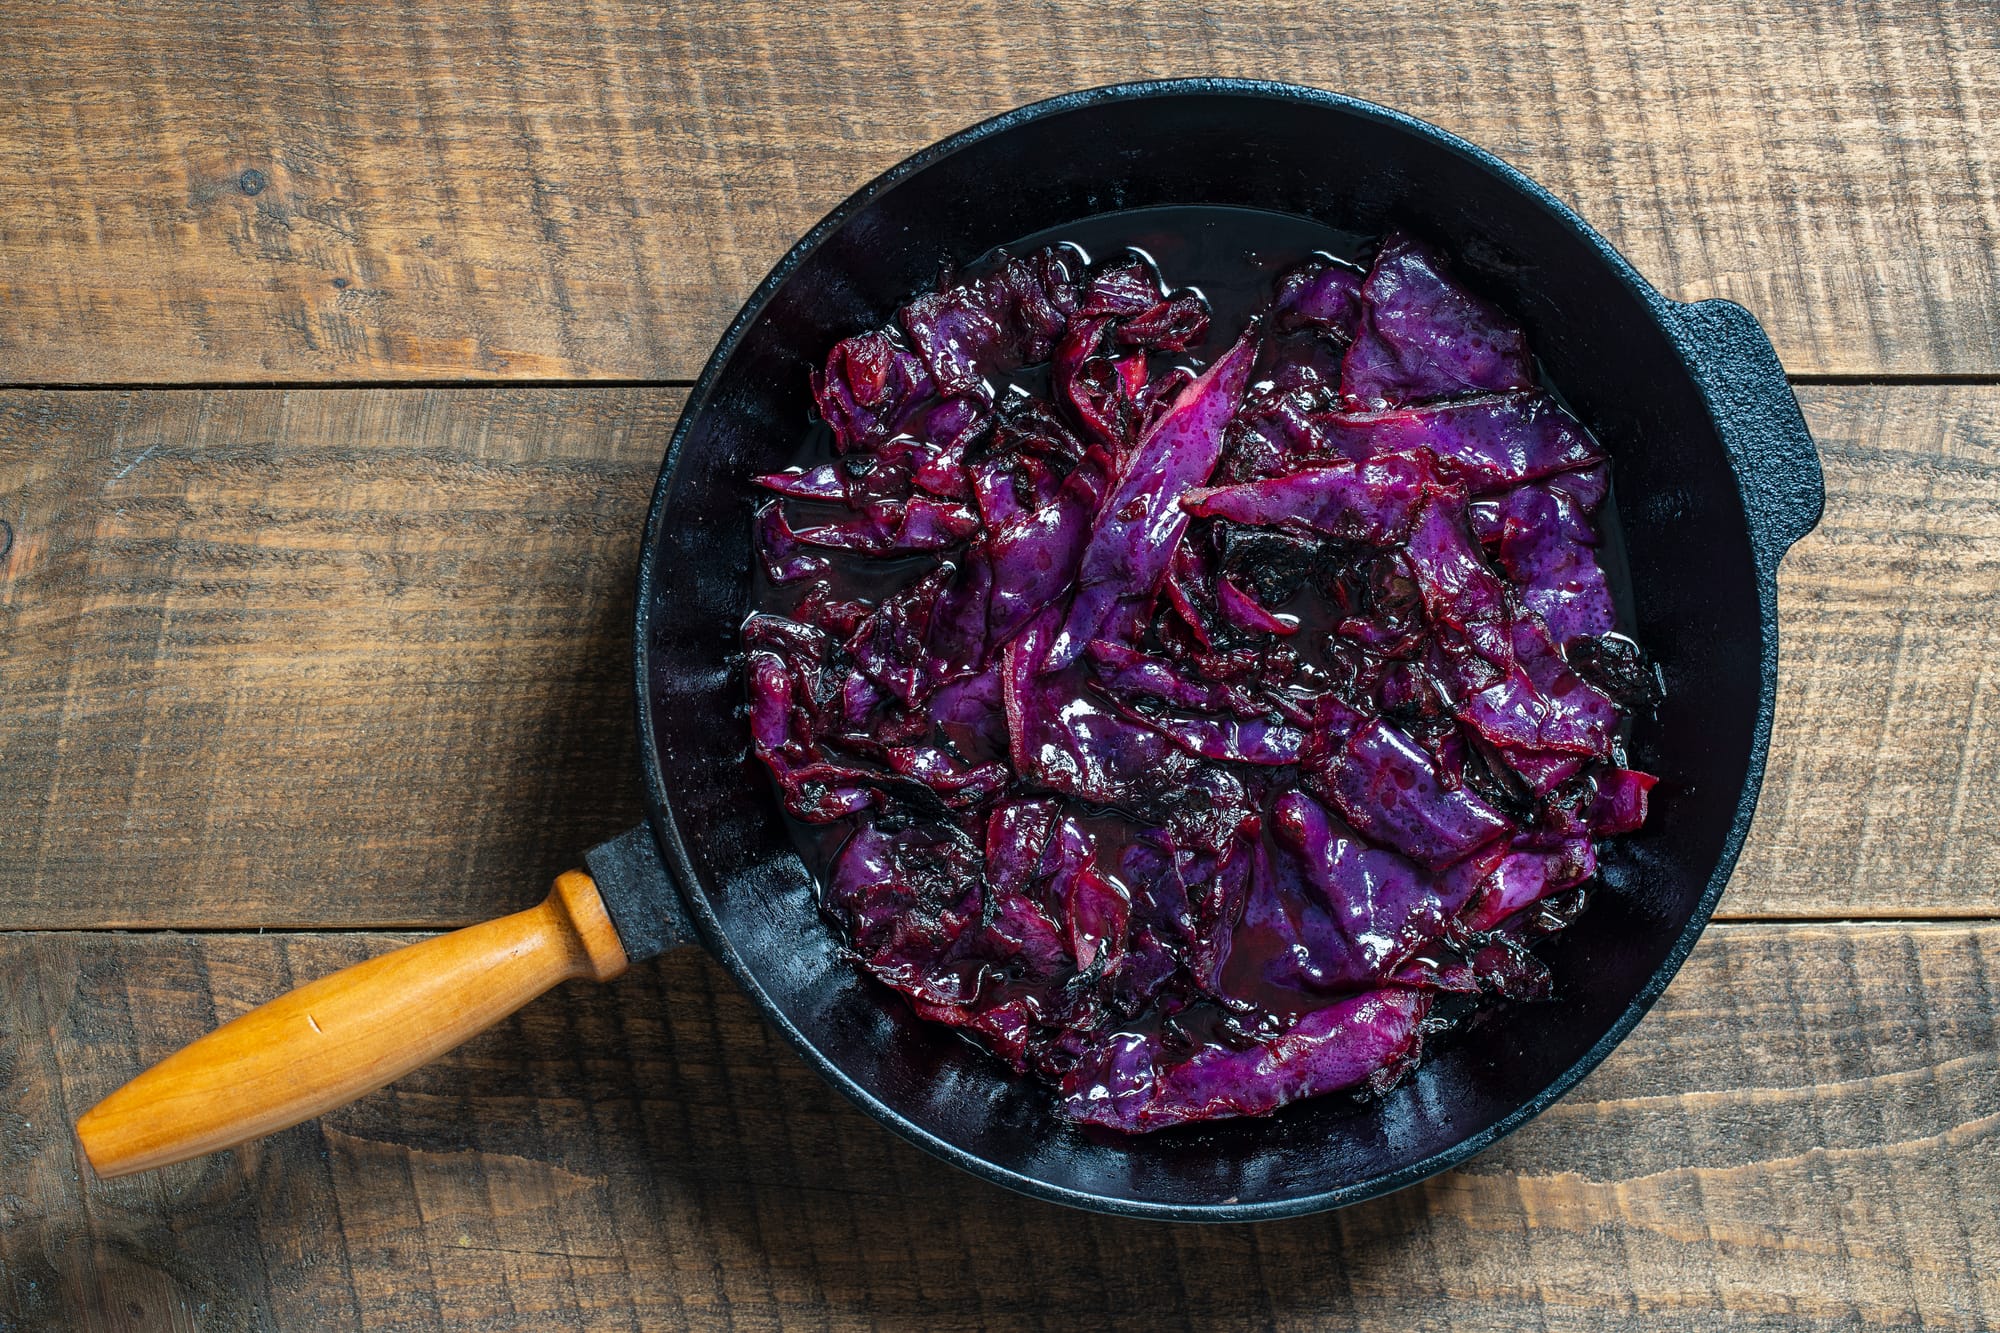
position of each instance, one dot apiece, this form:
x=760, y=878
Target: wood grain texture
x=204, y=192
x=359, y=658
x=1802, y=1135
x=1883, y=791
x=315, y=657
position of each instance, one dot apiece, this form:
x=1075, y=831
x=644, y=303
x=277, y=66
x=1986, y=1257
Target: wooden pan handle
x=344, y=1036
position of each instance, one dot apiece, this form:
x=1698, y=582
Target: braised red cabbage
x=1196, y=739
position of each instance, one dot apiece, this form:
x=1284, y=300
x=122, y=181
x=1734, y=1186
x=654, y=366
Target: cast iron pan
x=1715, y=474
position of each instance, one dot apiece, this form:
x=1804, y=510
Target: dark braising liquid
x=1231, y=255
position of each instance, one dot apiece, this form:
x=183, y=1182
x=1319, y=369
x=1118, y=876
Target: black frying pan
x=1716, y=477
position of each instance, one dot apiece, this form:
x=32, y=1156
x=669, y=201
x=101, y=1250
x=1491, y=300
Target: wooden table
x=340, y=346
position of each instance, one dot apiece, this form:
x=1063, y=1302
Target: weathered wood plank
x=315, y=657
x=199, y=192
x=333, y=658
x=1884, y=785
x=1802, y=1135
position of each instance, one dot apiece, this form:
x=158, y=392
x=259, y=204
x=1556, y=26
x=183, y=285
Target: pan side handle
x=345, y=1035
x=1777, y=466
